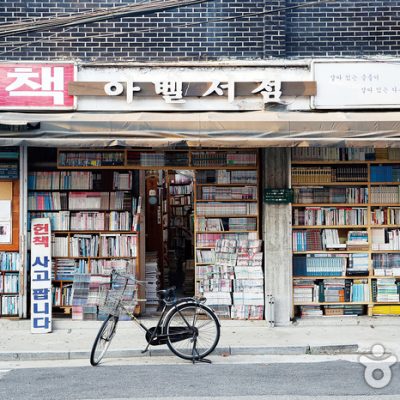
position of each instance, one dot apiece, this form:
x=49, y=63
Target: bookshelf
x=346, y=232
x=227, y=264
x=180, y=227
x=10, y=268
x=228, y=256
x=94, y=216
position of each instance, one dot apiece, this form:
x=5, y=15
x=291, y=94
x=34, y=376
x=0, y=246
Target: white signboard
x=41, y=318
x=352, y=84
x=123, y=88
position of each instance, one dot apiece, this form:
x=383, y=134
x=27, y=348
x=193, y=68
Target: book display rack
x=10, y=269
x=94, y=218
x=346, y=232
x=228, y=257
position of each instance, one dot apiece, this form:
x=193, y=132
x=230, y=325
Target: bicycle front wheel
x=103, y=339
x=192, y=330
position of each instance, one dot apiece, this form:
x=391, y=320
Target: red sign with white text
x=36, y=86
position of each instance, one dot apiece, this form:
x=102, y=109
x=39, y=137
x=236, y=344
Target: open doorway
x=170, y=229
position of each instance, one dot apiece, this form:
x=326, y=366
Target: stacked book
x=358, y=264
x=305, y=291
x=47, y=201
x=330, y=216
x=333, y=154
x=152, y=283
x=385, y=290
x=357, y=240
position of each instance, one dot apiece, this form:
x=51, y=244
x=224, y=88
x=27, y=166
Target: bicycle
x=187, y=326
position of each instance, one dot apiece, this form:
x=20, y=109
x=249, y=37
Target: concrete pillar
x=277, y=236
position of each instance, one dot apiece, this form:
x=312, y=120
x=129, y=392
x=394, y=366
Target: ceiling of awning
x=215, y=129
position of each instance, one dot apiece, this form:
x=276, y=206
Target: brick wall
x=346, y=28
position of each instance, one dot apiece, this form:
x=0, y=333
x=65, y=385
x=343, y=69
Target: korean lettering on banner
x=41, y=319
x=36, y=86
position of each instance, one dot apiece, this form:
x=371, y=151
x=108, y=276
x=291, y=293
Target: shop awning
x=220, y=129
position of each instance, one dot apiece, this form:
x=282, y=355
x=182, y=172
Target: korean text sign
x=41, y=319
x=34, y=86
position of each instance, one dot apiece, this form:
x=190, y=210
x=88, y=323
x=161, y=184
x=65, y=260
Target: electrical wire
x=40, y=24
x=53, y=39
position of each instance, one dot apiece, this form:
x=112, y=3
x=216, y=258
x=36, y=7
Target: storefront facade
x=238, y=119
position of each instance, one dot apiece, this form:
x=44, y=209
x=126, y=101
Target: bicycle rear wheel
x=103, y=339
x=193, y=331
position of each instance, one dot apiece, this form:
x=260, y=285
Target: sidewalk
x=74, y=339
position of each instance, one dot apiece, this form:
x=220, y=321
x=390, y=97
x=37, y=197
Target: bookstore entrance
x=184, y=218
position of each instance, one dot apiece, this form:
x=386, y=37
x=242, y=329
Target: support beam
x=277, y=235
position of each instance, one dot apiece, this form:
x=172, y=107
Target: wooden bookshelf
x=374, y=171
x=215, y=190
x=11, y=272
x=106, y=212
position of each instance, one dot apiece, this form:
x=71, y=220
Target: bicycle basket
x=120, y=297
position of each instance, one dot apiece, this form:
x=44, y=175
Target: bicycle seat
x=167, y=294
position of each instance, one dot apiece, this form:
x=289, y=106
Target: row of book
x=82, y=201
x=227, y=224
x=91, y=159
x=227, y=193
x=386, y=264
x=246, y=177
x=9, y=305
x=180, y=200
x=62, y=296
x=385, y=216
x=217, y=209
x=385, y=239
x=333, y=154
x=329, y=174
x=385, y=194
x=9, y=261
x=112, y=221
x=65, y=269
x=209, y=240
x=9, y=170
x=322, y=239
x=385, y=173
x=220, y=158
x=330, y=216
x=331, y=264
x=9, y=283
x=76, y=180
x=159, y=159
x=182, y=189
x=330, y=291
x=350, y=195
x=385, y=290
x=331, y=310
x=88, y=245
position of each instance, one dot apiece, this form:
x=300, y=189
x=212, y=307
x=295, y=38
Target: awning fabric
x=215, y=129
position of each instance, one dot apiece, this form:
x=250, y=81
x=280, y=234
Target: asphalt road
x=280, y=381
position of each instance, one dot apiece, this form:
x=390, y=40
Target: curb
x=221, y=351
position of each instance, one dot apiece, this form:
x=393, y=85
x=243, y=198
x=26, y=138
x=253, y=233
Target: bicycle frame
x=158, y=331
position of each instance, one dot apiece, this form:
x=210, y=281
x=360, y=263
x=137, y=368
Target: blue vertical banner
x=41, y=303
